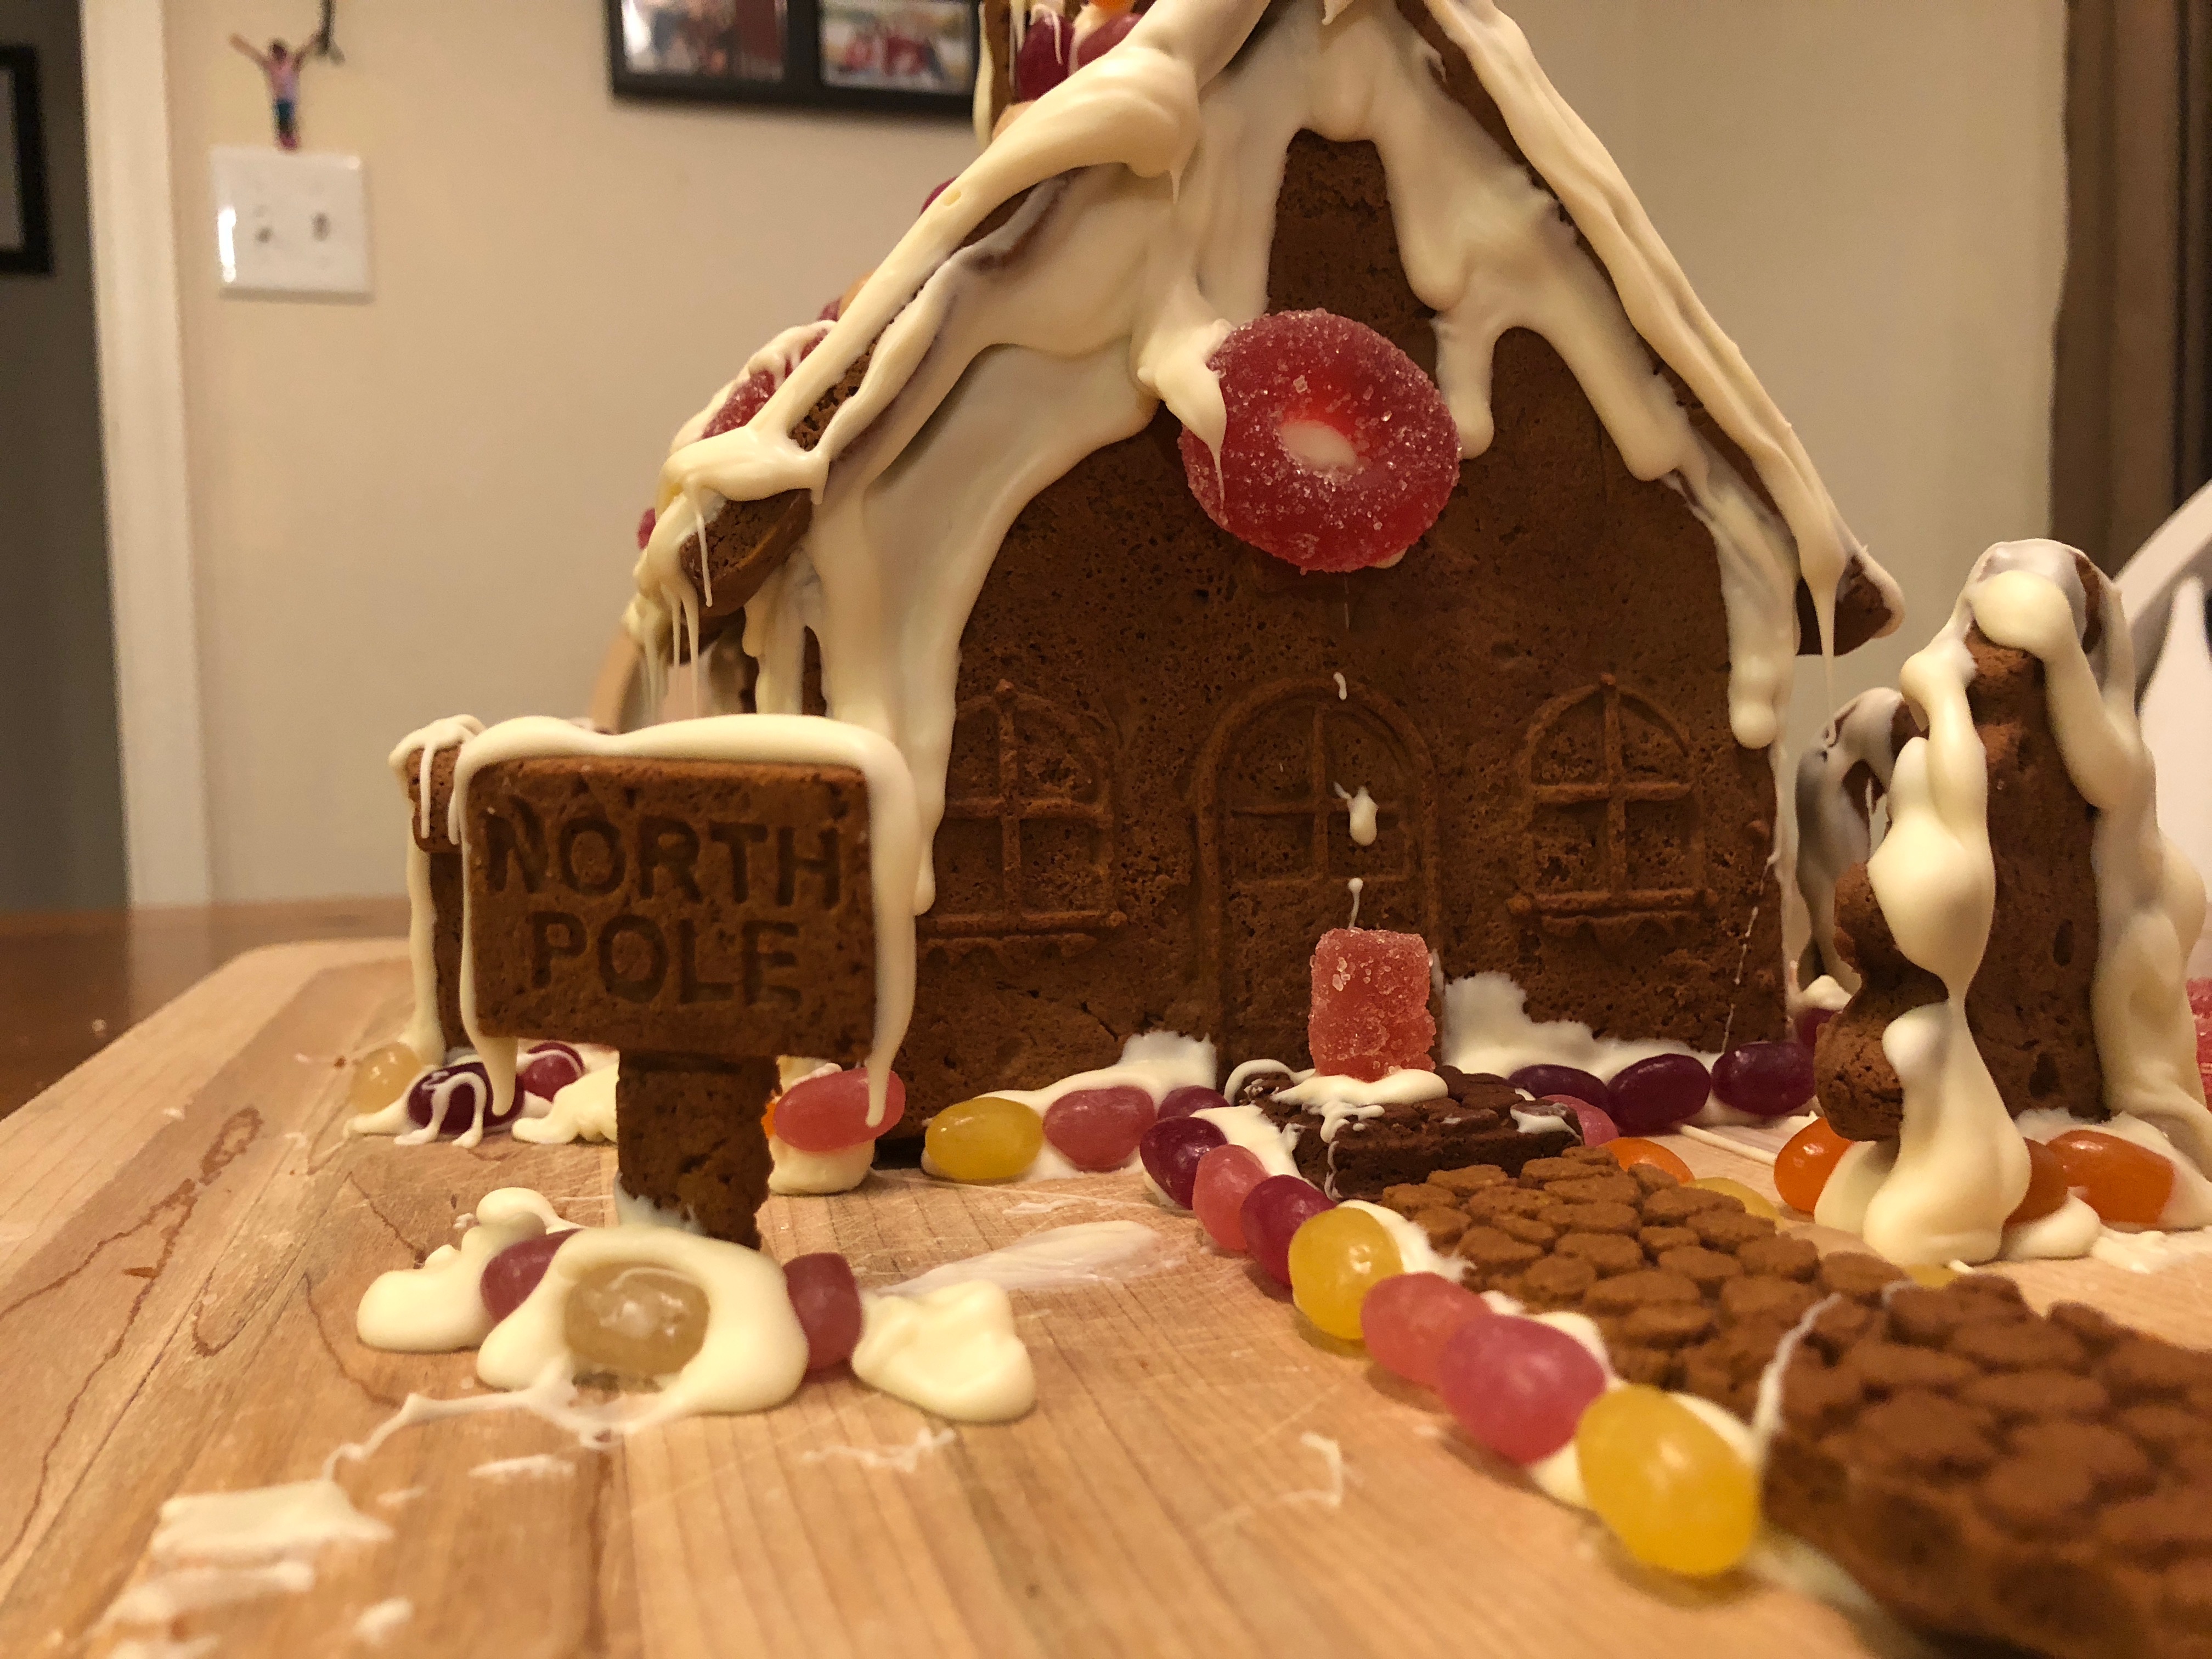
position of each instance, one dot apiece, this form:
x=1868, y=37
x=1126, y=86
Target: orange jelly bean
x=2119, y=1180
x=2046, y=1185
x=1632, y=1150
x=1801, y=1169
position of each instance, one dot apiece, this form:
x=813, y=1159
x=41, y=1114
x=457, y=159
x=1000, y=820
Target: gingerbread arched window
x=1027, y=844
x=1614, y=827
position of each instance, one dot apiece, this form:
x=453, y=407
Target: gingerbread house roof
x=1083, y=269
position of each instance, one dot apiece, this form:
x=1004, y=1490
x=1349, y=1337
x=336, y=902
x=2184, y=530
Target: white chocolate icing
x=424, y=1035
x=794, y=1171
x=1835, y=831
x=1415, y=1253
x=585, y=1110
x=1487, y=1029
x=1360, y=807
x=1085, y=1253
x=438, y=1307
x=1958, y=1168
x=893, y=845
x=754, y=1356
x=260, y=1524
x=1250, y=1127
x=951, y=1351
x=1144, y=239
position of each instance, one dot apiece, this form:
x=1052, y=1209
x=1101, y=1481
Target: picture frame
x=908, y=57
x=25, y=231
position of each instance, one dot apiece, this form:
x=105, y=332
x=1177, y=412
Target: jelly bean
x=1335, y=1259
x=1171, y=1152
x=1801, y=1169
x=381, y=1076
x=1808, y=1024
x=1932, y=1274
x=1098, y=1128
x=1271, y=1214
x=828, y=1304
x=1192, y=1097
x=1517, y=1386
x=1597, y=1128
x=1630, y=1150
x=645, y=524
x=1654, y=1095
x=509, y=1277
x=1226, y=1176
x=989, y=1138
x=1407, y=1321
x=1041, y=63
x=1673, y=1491
x=1097, y=43
x=2117, y=1179
x=824, y=1113
x=634, y=1322
x=1369, y=1014
x=456, y=1090
x=2046, y=1185
x=1756, y=1202
x=547, y=1068
x=1568, y=1080
x=1767, y=1079
x=1339, y=452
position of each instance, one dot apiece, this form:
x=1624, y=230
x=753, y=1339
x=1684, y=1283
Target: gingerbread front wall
x=1145, y=829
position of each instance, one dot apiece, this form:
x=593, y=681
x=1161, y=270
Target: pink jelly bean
x=1517, y=1386
x=828, y=1305
x=1273, y=1211
x=826, y=1113
x=509, y=1277
x=1406, y=1320
x=1596, y=1127
x=1098, y=1128
x=1226, y=1176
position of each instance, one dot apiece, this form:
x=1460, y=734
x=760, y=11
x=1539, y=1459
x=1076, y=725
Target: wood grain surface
x=185, y=1230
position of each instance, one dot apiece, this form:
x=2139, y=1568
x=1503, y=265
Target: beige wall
x=64, y=850
x=424, y=503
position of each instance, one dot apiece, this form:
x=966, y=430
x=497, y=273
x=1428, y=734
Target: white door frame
x=142, y=410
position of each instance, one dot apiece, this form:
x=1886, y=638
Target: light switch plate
x=291, y=222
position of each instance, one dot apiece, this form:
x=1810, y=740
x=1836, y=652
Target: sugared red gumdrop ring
x=1339, y=452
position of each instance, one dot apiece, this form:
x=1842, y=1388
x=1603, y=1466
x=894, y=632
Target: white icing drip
x=439, y=1306
x=424, y=1035
x=951, y=1351
x=1147, y=236
x=585, y=1110
x=894, y=848
x=381, y=1621
x=1343, y=691
x=1960, y=1167
x=1319, y=1091
x=1415, y=1253
x=795, y=1171
x=1250, y=1127
x=754, y=1355
x=260, y=1524
x=1355, y=886
x=1834, y=830
x=443, y=1096
x=1360, y=806
x=1087, y=1253
x=1487, y=1029
x=2070, y=1231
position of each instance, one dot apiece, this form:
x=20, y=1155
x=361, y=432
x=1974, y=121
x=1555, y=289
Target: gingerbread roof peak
x=1083, y=270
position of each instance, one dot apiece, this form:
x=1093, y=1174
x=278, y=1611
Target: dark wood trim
x=20, y=66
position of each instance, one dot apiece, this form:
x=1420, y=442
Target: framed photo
x=26, y=238
x=912, y=56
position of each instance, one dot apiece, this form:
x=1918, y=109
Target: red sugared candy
x=1406, y=1320
x=828, y=1305
x=1370, y=1004
x=509, y=1277
x=1339, y=452
x=826, y=1113
x=1226, y=1176
x=1517, y=1386
x=1271, y=1214
x=1098, y=1128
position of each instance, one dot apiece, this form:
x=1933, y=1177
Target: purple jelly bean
x=1171, y=1150
x=1654, y=1095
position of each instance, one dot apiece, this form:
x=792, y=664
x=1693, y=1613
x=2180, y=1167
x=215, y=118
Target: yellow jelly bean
x=1336, y=1258
x=1673, y=1491
x=381, y=1076
x=1932, y=1275
x=987, y=1139
x=1752, y=1201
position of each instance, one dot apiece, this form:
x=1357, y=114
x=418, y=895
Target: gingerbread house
x=1153, y=763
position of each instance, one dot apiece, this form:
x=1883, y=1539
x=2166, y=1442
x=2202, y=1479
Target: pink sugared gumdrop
x=1226, y=1176
x=1041, y=63
x=1192, y=1097
x=509, y=1277
x=1339, y=452
x=828, y=1305
x=1171, y=1150
x=1517, y=1386
x=645, y=528
x=1370, y=1004
x=1406, y=1320
x=1094, y=44
x=1271, y=1214
x=1098, y=1128
x=826, y=1113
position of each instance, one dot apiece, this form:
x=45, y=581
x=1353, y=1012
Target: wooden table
x=186, y=1230
x=73, y=981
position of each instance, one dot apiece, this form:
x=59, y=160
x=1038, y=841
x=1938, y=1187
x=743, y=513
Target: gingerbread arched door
x=1277, y=796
